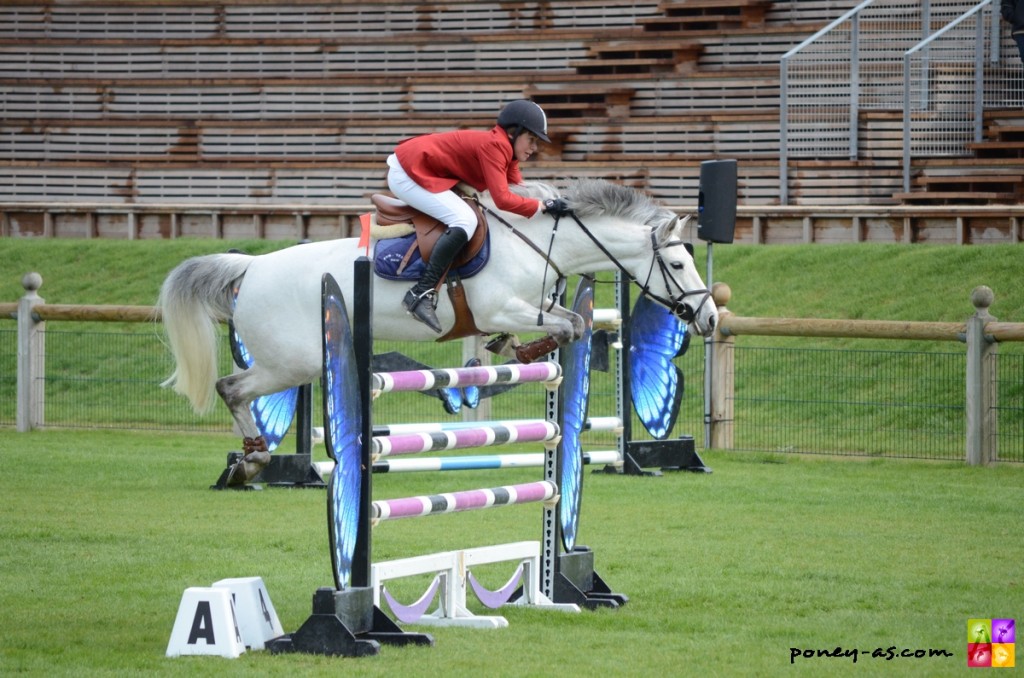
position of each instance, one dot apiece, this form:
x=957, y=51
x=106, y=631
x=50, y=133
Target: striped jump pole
x=591, y=424
x=473, y=462
x=479, y=436
x=425, y=380
x=392, y=509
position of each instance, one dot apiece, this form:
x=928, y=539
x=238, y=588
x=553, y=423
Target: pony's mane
x=597, y=196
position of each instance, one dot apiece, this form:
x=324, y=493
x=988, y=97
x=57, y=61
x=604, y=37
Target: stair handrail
x=978, y=90
x=852, y=15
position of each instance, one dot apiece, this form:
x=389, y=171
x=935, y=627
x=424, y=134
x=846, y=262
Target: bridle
x=676, y=303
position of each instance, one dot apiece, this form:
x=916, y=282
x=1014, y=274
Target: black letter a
x=202, y=624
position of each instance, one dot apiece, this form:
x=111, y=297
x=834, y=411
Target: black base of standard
x=284, y=470
x=677, y=454
x=577, y=583
x=348, y=624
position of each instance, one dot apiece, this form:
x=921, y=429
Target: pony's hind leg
x=254, y=448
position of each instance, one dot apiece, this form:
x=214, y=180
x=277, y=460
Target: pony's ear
x=665, y=231
x=683, y=224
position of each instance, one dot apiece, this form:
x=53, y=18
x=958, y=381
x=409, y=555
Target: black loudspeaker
x=716, y=202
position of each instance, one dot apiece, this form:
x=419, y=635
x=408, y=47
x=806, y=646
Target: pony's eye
x=677, y=265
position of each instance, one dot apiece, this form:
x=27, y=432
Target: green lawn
x=725, y=572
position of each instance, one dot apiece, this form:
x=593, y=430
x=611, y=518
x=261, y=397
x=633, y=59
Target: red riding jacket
x=484, y=160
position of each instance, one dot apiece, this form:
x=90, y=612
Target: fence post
x=31, y=357
x=722, y=375
x=981, y=382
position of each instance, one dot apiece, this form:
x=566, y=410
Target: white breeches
x=445, y=206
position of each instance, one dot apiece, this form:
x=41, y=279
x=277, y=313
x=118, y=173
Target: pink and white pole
x=425, y=505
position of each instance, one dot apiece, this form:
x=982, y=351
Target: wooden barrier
x=980, y=332
x=32, y=312
x=285, y=218
x=109, y=313
x=733, y=325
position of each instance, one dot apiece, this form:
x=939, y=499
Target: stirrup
x=424, y=312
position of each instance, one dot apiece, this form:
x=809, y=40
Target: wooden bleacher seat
x=707, y=15
x=270, y=101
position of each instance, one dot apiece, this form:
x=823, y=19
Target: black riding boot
x=421, y=299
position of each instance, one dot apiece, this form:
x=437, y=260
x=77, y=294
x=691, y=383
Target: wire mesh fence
x=903, y=404
x=8, y=374
x=883, y=403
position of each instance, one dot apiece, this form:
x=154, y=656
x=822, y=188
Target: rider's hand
x=557, y=208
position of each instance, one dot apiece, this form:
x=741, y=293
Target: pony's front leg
x=255, y=453
x=519, y=316
x=578, y=324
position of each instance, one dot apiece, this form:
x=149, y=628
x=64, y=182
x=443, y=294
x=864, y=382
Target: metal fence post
x=722, y=376
x=31, y=357
x=981, y=383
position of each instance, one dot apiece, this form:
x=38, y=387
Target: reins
x=548, y=262
x=674, y=304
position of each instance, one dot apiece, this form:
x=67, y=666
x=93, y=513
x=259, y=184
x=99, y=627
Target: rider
x=424, y=169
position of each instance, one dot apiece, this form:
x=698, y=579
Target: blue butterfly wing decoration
x=471, y=394
x=576, y=383
x=272, y=413
x=342, y=425
x=451, y=399
x=656, y=337
x=454, y=397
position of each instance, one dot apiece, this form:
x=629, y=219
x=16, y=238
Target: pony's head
x=671, y=278
x=674, y=280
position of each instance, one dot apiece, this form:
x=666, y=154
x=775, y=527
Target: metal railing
x=828, y=78
x=950, y=78
x=856, y=63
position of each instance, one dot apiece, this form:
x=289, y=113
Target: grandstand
x=255, y=117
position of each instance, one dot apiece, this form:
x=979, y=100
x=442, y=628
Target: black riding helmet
x=524, y=115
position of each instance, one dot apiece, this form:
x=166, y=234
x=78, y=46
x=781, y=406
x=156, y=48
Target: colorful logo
x=991, y=643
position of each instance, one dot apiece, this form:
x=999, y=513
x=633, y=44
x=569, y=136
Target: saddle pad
x=389, y=254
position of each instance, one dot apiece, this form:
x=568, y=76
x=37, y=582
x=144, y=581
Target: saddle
x=393, y=212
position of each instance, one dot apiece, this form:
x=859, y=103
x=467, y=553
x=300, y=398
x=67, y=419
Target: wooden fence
x=980, y=332
x=337, y=218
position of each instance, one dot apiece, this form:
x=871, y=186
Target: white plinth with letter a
x=206, y=624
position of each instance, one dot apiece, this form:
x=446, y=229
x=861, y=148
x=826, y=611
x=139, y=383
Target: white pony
x=277, y=310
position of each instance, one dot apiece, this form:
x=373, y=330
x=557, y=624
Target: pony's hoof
x=247, y=468
x=504, y=345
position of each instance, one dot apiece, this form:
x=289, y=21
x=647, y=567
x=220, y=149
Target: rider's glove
x=557, y=208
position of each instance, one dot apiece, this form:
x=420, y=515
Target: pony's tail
x=197, y=295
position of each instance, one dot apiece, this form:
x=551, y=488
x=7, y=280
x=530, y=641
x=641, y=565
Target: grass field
x=725, y=572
